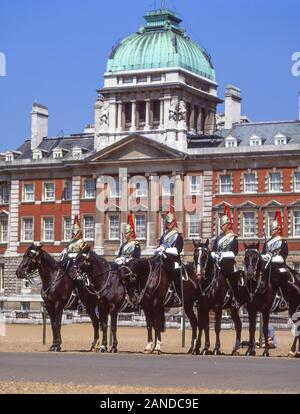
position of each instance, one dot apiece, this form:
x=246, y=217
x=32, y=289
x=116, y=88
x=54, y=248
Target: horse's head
x=252, y=260
x=82, y=263
x=201, y=257
x=30, y=263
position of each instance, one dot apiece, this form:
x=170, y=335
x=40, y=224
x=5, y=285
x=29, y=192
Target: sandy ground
x=76, y=338
x=28, y=338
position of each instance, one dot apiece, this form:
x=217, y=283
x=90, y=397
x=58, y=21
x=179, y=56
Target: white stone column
x=161, y=124
x=120, y=108
x=153, y=204
x=100, y=217
x=76, y=194
x=178, y=200
x=112, y=116
x=147, y=123
x=207, y=209
x=13, y=218
x=133, y=116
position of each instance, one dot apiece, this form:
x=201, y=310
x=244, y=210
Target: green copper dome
x=161, y=43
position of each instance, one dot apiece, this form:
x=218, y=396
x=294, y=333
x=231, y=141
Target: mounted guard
x=171, y=243
x=224, y=252
x=76, y=245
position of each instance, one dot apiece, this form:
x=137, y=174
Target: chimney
x=232, y=106
x=39, y=124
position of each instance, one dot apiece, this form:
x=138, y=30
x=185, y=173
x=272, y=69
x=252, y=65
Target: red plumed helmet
x=130, y=225
x=277, y=223
x=226, y=217
x=171, y=216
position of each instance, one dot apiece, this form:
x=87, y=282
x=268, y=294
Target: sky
x=56, y=53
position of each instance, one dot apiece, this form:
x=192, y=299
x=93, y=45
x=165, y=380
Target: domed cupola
x=160, y=43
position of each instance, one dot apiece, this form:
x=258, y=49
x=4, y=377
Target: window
x=27, y=229
x=142, y=189
x=297, y=181
x=140, y=226
x=89, y=188
x=225, y=184
x=156, y=78
x=195, y=185
x=250, y=185
x=48, y=229
x=230, y=142
x=89, y=227
x=255, y=141
x=4, y=193
x=168, y=186
x=25, y=306
x=275, y=182
x=28, y=194
x=77, y=153
x=127, y=80
x=142, y=113
x=49, y=192
x=37, y=155
x=67, y=193
x=296, y=224
x=280, y=139
x=3, y=230
x=1, y=276
x=128, y=113
x=114, y=188
x=67, y=230
x=156, y=112
x=114, y=227
x=249, y=224
x=193, y=226
x=142, y=79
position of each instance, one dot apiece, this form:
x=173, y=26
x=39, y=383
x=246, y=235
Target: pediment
x=273, y=203
x=135, y=148
x=222, y=205
x=248, y=204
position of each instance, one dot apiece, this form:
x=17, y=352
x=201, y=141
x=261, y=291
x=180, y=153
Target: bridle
x=255, y=279
x=199, y=270
x=35, y=261
x=256, y=264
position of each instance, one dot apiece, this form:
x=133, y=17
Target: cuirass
x=224, y=242
x=170, y=237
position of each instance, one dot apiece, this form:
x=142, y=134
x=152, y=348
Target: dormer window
x=77, y=153
x=280, y=139
x=230, y=142
x=59, y=153
x=11, y=155
x=255, y=141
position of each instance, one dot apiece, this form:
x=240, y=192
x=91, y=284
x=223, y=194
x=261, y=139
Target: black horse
x=57, y=290
x=263, y=285
x=215, y=294
x=152, y=279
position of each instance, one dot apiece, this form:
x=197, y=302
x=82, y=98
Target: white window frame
x=25, y=194
x=191, y=235
x=249, y=235
x=252, y=183
x=230, y=142
x=114, y=190
x=23, y=230
x=65, y=230
x=89, y=197
x=142, y=191
x=168, y=192
x=45, y=191
x=85, y=229
x=110, y=228
x=4, y=193
x=220, y=183
x=272, y=173
x=2, y=283
x=255, y=142
x=195, y=185
x=296, y=182
x=44, y=230
x=137, y=226
x=280, y=139
x=65, y=198
x=3, y=230
x=294, y=223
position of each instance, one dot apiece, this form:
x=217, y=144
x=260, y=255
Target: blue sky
x=57, y=50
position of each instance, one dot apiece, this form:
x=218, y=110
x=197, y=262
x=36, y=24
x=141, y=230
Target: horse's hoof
x=157, y=351
x=217, y=352
x=266, y=354
x=292, y=354
x=190, y=351
x=235, y=352
x=196, y=352
x=297, y=354
x=250, y=352
x=57, y=349
x=147, y=351
x=102, y=349
x=113, y=350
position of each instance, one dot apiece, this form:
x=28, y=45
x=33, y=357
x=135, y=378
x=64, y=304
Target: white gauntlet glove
x=120, y=260
x=215, y=256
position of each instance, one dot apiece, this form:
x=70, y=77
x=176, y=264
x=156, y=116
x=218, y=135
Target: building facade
x=156, y=140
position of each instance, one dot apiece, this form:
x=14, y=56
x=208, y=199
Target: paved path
x=224, y=373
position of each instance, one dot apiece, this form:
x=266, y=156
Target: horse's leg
x=266, y=318
x=104, y=323
x=189, y=311
x=251, y=351
x=238, y=329
x=95, y=322
x=149, y=323
x=206, y=331
x=298, y=352
x=292, y=352
x=203, y=318
x=51, y=313
x=114, y=323
x=159, y=326
x=218, y=321
x=58, y=311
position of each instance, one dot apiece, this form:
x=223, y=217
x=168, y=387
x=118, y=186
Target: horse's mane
x=99, y=260
x=49, y=259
